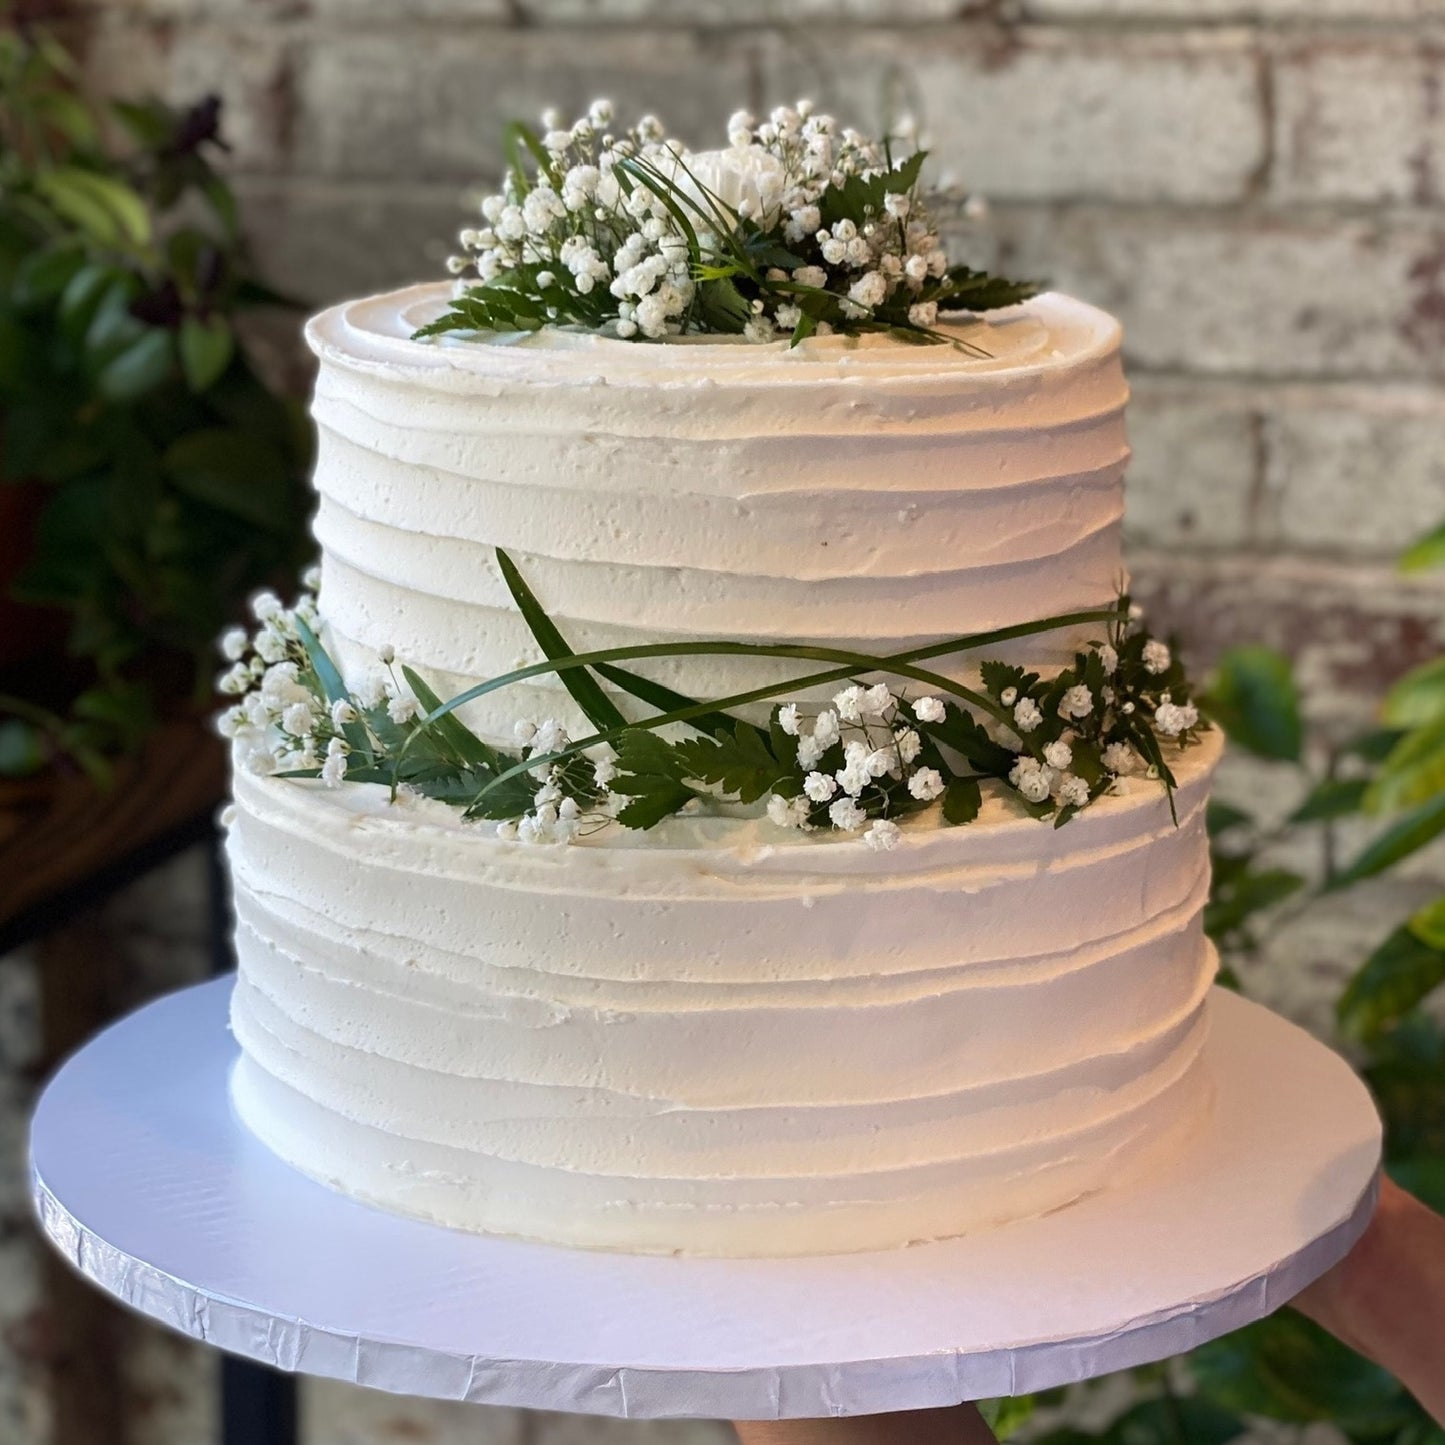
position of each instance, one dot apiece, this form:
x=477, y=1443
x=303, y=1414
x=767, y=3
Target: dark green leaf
x=234, y=471
x=1253, y=698
x=1414, y=772
x=1428, y=923
x=143, y=366
x=962, y=799
x=22, y=751
x=586, y=691
x=1394, y=980
x=1286, y=1368
x=740, y=763
x=205, y=348
x=1238, y=899
x=454, y=732
x=1220, y=817
x=1428, y=552
x=1405, y=837
x=649, y=774
x=1331, y=798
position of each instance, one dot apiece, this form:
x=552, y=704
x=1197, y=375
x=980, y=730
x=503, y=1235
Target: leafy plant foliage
x=168, y=478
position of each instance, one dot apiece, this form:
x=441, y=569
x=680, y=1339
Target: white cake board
x=147, y=1182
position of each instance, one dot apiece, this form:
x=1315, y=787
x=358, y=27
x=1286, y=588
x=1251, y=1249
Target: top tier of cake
x=861, y=492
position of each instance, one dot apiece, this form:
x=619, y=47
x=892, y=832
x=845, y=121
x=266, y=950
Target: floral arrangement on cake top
x=876, y=753
x=799, y=227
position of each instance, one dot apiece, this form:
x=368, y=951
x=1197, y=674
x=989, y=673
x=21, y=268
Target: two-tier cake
x=747, y=1029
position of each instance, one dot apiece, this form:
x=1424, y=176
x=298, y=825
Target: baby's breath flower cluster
x=857, y=766
x=798, y=227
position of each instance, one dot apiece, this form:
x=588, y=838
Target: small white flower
x=814, y=276
x=1008, y=696
x=848, y=702
x=897, y=203
x=371, y=690
x=230, y=722
x=1127, y=708
x=333, y=770
x=270, y=645
x=1121, y=759
x=1058, y=755
x=810, y=752
x=342, y=713
x=265, y=605
x=787, y=812
x=549, y=792
x=1076, y=702
x=819, y=787
x=834, y=252
x=1032, y=779
x=909, y=744
x=924, y=313
x=876, y=699
x=759, y=330
x=1156, y=656
x=258, y=715
x=507, y=830
x=1073, y=792
x=881, y=761
x=1110, y=658
x=523, y=732
x=869, y=290
x=403, y=709
x=929, y=710
x=603, y=771
x=311, y=578
x=883, y=836
x=847, y=815
x=387, y=655
x=234, y=644
x=853, y=779
x=825, y=728
x=1027, y=715
x=530, y=829
x=235, y=680
x=1172, y=718
x=550, y=737
x=788, y=719
x=260, y=762
x=926, y=784
x=298, y=720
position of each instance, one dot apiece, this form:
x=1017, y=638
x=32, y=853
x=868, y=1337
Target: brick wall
x=1256, y=186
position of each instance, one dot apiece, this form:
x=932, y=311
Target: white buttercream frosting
x=718, y=1036
x=856, y=492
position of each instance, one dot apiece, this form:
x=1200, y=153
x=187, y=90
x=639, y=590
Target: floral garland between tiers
x=874, y=756
x=799, y=227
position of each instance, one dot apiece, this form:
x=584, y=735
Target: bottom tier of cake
x=720, y=1037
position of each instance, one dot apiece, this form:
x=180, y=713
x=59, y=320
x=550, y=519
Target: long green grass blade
x=586, y=691
x=468, y=747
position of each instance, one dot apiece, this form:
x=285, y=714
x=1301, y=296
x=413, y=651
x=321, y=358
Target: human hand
x=1386, y=1298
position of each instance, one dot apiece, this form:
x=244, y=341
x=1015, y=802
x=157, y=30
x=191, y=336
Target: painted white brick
x=1360, y=121
x=1358, y=471
x=1045, y=113
x=434, y=107
x=1218, y=293
x=322, y=242
x=1375, y=11
x=1196, y=454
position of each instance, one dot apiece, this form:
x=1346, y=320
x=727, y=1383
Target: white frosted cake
x=718, y=1035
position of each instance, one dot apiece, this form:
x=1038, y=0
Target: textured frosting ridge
x=848, y=491
x=713, y=1041
x=719, y=1036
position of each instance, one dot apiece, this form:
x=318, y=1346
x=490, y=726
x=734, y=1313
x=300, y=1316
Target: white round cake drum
x=147, y=1182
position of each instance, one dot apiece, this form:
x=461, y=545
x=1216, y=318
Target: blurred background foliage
x=1391, y=778
x=149, y=477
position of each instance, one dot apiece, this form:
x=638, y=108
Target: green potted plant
x=149, y=477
